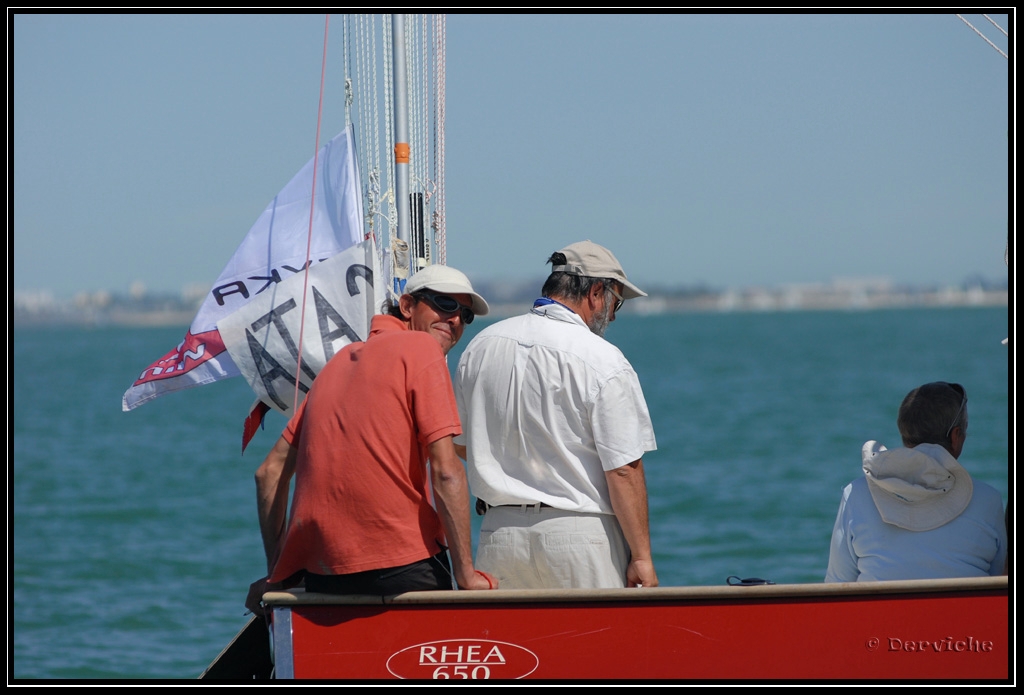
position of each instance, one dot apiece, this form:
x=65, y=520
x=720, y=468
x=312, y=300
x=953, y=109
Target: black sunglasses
x=619, y=299
x=447, y=305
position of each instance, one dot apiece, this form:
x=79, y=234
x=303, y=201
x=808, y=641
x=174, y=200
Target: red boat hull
x=883, y=631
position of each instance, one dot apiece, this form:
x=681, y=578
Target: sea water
x=134, y=535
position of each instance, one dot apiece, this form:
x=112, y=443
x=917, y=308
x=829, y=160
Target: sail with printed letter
x=268, y=265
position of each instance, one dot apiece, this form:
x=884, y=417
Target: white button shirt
x=547, y=407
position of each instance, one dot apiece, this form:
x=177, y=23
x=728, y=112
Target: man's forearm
x=627, y=489
x=451, y=493
x=273, y=480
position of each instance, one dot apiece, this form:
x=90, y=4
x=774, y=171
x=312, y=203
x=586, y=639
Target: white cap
x=446, y=280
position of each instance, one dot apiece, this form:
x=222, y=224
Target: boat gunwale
x=299, y=597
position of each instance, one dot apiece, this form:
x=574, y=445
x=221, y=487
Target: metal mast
x=401, y=131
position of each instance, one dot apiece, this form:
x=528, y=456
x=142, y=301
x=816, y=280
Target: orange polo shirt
x=362, y=495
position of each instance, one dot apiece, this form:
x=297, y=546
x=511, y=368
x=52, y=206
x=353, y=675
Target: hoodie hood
x=917, y=489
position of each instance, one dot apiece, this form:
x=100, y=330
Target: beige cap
x=594, y=261
x=446, y=280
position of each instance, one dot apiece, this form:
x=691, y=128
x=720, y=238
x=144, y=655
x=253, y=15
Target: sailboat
x=748, y=629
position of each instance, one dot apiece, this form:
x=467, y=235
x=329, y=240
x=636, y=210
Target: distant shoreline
x=749, y=301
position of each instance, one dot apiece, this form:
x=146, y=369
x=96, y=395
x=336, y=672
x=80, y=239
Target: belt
x=482, y=507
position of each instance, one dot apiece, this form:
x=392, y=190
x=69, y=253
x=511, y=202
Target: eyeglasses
x=963, y=395
x=447, y=305
x=618, y=297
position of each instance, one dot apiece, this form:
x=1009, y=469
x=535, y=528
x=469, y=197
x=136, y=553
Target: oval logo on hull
x=463, y=659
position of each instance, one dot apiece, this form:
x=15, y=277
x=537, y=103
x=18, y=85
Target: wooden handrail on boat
x=691, y=593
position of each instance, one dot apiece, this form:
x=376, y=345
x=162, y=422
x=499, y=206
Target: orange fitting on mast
x=401, y=153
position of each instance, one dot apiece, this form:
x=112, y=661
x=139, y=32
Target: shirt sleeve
x=622, y=426
x=433, y=402
x=842, y=562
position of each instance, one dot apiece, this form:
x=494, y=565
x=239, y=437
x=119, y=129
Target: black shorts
x=425, y=575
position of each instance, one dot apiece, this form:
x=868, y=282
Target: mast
x=401, y=132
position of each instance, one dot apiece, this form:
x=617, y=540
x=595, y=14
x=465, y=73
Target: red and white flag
x=275, y=250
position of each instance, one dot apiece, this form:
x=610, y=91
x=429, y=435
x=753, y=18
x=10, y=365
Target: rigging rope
x=312, y=206
x=346, y=48
x=1001, y=52
x=389, y=121
x=438, y=217
x=422, y=168
x=371, y=98
x=993, y=23
x=415, y=142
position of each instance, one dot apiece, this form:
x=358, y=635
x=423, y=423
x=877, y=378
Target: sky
x=719, y=150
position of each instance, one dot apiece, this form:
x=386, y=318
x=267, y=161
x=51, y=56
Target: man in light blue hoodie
x=916, y=513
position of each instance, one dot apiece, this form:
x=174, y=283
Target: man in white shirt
x=916, y=513
x=555, y=428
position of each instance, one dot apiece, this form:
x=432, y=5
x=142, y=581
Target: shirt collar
x=553, y=309
x=383, y=323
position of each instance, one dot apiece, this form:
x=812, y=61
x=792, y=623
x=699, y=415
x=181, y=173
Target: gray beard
x=599, y=322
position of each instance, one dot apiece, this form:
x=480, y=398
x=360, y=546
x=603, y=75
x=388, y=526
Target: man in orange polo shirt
x=362, y=521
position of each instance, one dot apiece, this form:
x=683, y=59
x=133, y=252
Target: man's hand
x=640, y=573
x=254, y=600
x=477, y=581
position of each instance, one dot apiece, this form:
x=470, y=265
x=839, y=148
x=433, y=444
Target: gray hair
x=929, y=413
x=574, y=288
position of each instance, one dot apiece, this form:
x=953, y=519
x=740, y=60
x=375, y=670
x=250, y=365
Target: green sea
x=133, y=537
